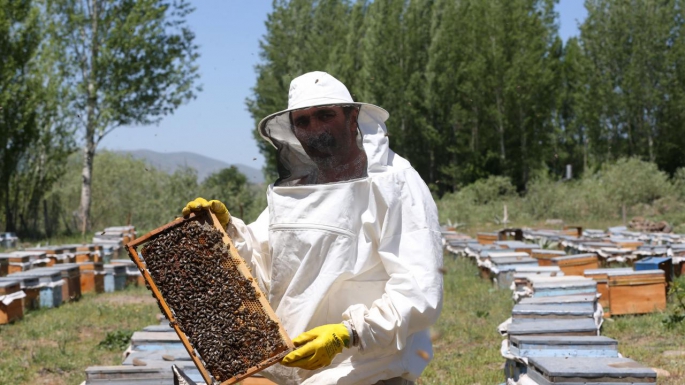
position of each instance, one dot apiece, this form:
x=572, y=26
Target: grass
x=467, y=351
x=54, y=346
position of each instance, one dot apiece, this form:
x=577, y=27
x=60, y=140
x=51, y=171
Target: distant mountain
x=204, y=166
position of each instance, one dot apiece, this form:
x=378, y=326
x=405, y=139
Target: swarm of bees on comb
x=213, y=304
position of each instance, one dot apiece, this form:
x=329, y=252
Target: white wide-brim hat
x=318, y=89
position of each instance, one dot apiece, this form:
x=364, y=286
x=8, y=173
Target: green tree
x=230, y=187
x=301, y=36
x=127, y=62
x=635, y=48
x=19, y=91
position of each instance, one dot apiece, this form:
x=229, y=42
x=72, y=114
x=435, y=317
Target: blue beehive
x=50, y=285
x=115, y=277
x=656, y=263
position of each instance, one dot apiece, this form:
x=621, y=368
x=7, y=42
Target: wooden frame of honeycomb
x=254, y=307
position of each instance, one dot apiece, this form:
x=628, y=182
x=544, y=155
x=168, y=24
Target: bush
x=625, y=188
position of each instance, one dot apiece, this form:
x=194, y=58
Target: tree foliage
x=126, y=62
x=486, y=87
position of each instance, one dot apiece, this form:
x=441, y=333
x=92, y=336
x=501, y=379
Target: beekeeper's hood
x=324, y=136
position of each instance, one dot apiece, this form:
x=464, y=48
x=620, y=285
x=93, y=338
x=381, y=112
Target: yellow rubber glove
x=218, y=208
x=317, y=347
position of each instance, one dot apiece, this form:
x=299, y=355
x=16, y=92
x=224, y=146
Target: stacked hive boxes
x=553, y=335
x=49, y=276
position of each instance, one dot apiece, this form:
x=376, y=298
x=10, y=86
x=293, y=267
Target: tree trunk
x=86, y=183
x=500, y=127
x=91, y=124
x=585, y=146
x=46, y=220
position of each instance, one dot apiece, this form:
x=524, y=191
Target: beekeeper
x=348, y=250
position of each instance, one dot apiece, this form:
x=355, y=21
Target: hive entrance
x=212, y=299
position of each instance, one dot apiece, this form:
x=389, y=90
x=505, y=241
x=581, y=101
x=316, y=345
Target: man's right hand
x=218, y=208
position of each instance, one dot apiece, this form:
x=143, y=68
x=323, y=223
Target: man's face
x=326, y=134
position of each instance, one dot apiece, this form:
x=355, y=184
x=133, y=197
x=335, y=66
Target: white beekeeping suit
x=364, y=251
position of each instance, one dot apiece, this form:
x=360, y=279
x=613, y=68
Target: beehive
x=502, y=269
x=55, y=254
x=16, y=263
x=637, y=292
x=115, y=277
x=487, y=238
x=133, y=275
x=195, y=273
x=71, y=276
x=11, y=301
x=49, y=286
x=600, y=276
x=92, y=277
x=576, y=264
x=518, y=246
x=30, y=286
x=544, y=257
x=624, y=243
x=558, y=286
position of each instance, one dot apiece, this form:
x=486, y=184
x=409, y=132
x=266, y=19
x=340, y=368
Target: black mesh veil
x=317, y=145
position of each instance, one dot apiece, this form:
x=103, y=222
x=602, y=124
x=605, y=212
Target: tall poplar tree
x=19, y=91
x=128, y=62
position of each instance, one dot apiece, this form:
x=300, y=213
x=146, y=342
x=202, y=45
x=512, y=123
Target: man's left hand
x=318, y=347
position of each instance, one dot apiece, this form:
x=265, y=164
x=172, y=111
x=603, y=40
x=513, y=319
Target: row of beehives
x=616, y=245
x=151, y=358
x=553, y=334
x=47, y=277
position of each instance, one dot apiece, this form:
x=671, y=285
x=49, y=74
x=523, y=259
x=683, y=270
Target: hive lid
x=26, y=282
x=653, y=260
x=606, y=270
x=544, y=251
x=565, y=340
x=44, y=275
x=546, y=326
x=503, y=253
x=634, y=272
x=591, y=368
x=143, y=337
x=33, y=255
x=514, y=261
x=15, y=258
x=537, y=269
x=586, y=309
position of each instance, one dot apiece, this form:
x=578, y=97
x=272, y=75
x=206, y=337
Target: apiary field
x=56, y=345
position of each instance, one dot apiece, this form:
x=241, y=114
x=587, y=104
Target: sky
x=217, y=124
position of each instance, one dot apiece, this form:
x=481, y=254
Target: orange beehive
x=601, y=277
x=576, y=264
x=637, y=292
x=544, y=257
x=12, y=293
